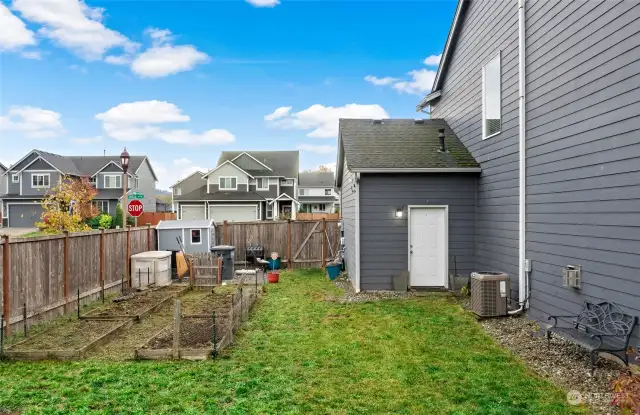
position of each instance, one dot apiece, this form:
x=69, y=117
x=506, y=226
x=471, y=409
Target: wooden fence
x=153, y=218
x=41, y=276
x=317, y=216
x=301, y=244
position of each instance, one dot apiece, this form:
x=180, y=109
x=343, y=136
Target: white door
x=192, y=212
x=428, y=247
x=233, y=213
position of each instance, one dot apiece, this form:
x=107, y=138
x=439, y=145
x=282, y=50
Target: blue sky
x=181, y=81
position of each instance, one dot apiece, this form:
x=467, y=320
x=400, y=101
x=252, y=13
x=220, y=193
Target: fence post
x=191, y=276
x=289, y=244
x=102, y=262
x=78, y=303
x=214, y=340
x=224, y=233
x=65, y=272
x=128, y=256
x=219, y=263
x=324, y=242
x=176, y=329
x=6, y=297
x=148, y=237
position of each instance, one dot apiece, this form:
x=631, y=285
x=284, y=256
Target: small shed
x=197, y=235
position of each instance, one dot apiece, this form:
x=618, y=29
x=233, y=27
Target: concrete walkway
x=16, y=231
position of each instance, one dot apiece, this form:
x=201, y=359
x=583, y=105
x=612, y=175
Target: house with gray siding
x=29, y=180
x=244, y=186
x=3, y=189
x=408, y=190
x=544, y=95
x=316, y=192
x=185, y=185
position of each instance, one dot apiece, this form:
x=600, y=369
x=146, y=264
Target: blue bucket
x=333, y=271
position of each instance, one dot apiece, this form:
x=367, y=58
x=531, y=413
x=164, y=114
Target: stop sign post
x=135, y=208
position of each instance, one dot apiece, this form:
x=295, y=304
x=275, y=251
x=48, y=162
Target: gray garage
x=23, y=214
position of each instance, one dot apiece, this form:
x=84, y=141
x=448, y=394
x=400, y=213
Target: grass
x=35, y=233
x=300, y=354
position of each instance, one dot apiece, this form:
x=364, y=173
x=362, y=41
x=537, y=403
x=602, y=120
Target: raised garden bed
x=137, y=307
x=67, y=342
x=203, y=303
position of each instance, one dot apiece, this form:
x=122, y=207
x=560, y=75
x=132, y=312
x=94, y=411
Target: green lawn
x=302, y=354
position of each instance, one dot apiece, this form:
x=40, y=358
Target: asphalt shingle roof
x=401, y=144
x=283, y=163
x=316, y=179
x=86, y=165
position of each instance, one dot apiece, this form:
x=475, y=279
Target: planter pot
x=273, y=277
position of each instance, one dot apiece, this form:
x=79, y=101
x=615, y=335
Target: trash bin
x=228, y=254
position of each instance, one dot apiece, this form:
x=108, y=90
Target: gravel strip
x=350, y=296
x=566, y=365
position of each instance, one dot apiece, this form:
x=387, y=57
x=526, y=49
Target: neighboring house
x=544, y=96
x=31, y=177
x=185, y=186
x=162, y=206
x=316, y=192
x=3, y=190
x=245, y=186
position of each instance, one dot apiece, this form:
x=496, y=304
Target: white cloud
x=433, y=60
x=33, y=122
x=33, y=54
x=14, y=33
x=380, y=81
x=278, y=113
x=87, y=140
x=264, y=3
x=118, y=59
x=323, y=121
x=168, y=176
x=75, y=26
x=142, y=120
x=159, y=36
x=421, y=83
x=322, y=149
x=167, y=60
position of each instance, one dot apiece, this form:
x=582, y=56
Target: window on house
x=113, y=182
x=15, y=178
x=327, y=192
x=228, y=183
x=262, y=183
x=40, y=180
x=322, y=207
x=269, y=210
x=137, y=183
x=302, y=192
x=491, y=98
x=93, y=180
x=195, y=237
x=286, y=182
x=102, y=205
x=178, y=191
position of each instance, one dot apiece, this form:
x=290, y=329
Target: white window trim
x=264, y=180
x=48, y=175
x=484, y=126
x=15, y=178
x=178, y=191
x=227, y=188
x=191, y=236
x=328, y=194
x=269, y=207
x=116, y=181
x=100, y=203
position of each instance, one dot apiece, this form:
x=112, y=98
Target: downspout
x=522, y=273
x=356, y=179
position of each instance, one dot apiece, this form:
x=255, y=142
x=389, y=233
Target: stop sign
x=135, y=208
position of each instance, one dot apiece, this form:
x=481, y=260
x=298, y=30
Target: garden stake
x=148, y=276
x=139, y=280
x=2, y=336
x=78, y=301
x=214, y=353
x=122, y=285
x=24, y=318
x=102, y=291
x=241, y=312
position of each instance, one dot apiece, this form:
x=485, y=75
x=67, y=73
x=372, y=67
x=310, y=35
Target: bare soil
x=202, y=303
x=195, y=333
x=139, y=303
x=72, y=336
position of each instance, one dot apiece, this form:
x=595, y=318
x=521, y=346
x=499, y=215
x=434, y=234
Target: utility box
x=152, y=267
x=490, y=293
x=228, y=254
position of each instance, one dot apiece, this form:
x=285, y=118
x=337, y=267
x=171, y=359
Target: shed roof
x=185, y=224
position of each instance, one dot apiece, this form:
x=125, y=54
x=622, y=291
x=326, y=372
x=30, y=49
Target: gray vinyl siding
x=348, y=213
x=147, y=186
x=189, y=185
x=488, y=27
x=27, y=190
x=241, y=188
x=24, y=163
x=14, y=188
x=3, y=182
x=288, y=190
x=583, y=153
x=168, y=242
x=384, y=238
x=112, y=168
x=272, y=193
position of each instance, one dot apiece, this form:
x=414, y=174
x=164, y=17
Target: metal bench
x=601, y=327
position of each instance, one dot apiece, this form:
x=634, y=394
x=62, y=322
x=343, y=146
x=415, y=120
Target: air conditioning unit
x=489, y=293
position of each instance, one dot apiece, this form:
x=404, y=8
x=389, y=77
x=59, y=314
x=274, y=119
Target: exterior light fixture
x=399, y=212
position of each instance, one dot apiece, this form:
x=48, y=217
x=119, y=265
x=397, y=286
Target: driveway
x=16, y=231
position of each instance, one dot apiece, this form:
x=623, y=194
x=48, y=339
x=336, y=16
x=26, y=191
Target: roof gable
x=3, y=167
x=187, y=178
x=226, y=163
x=282, y=163
x=248, y=162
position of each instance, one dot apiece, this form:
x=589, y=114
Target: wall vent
x=571, y=276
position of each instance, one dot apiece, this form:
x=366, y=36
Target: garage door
x=192, y=212
x=235, y=213
x=24, y=216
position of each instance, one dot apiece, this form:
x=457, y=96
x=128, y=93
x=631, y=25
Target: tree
x=67, y=206
x=117, y=219
x=322, y=168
